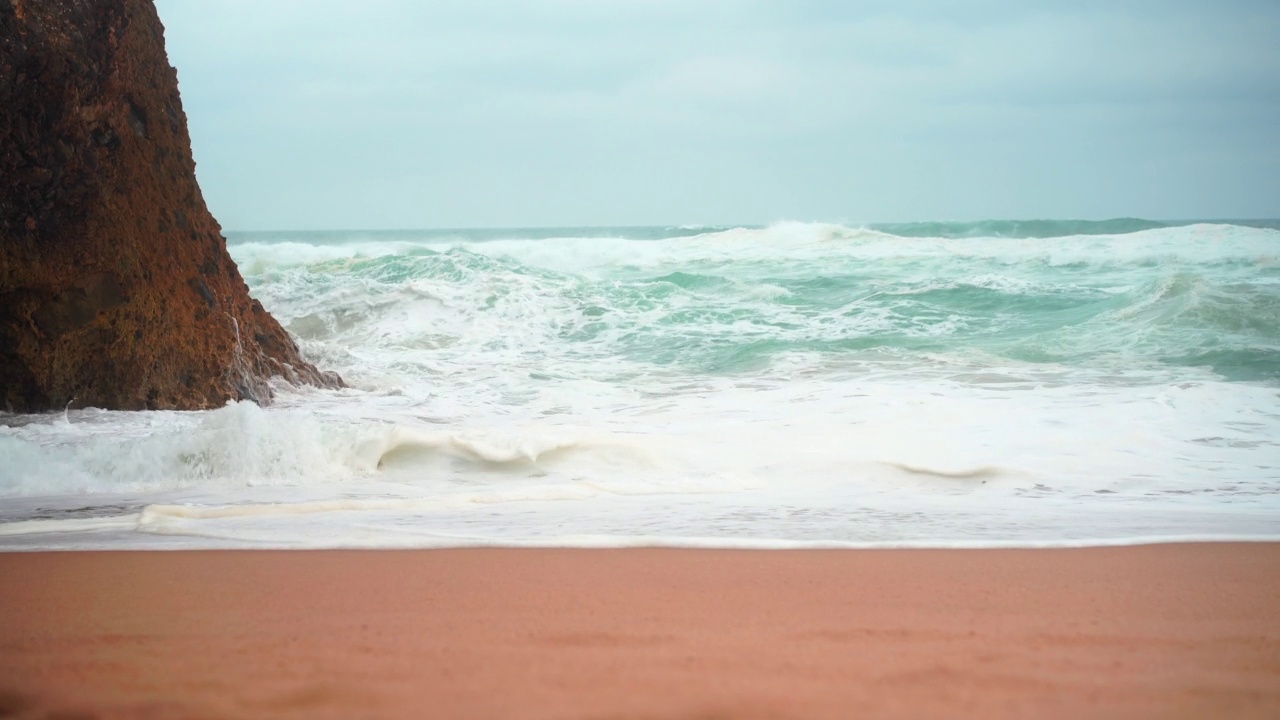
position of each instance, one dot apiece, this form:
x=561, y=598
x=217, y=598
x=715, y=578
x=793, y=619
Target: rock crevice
x=116, y=289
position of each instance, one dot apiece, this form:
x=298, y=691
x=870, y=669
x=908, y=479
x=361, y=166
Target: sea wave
x=741, y=299
x=792, y=383
x=240, y=444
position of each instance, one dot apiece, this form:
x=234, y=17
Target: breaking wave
x=797, y=383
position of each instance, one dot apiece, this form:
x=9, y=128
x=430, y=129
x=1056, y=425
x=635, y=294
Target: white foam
x=69, y=525
x=255, y=258
x=240, y=444
x=579, y=390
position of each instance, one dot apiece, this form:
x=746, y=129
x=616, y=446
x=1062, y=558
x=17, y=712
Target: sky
x=383, y=114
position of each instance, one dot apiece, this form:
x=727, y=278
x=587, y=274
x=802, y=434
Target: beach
x=638, y=361
x=1176, y=630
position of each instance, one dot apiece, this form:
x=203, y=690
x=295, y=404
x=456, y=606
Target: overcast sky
x=320, y=114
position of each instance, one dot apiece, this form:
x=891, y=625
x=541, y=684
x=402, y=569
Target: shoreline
x=605, y=543
x=1163, y=630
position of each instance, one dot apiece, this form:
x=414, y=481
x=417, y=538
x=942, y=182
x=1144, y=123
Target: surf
x=797, y=382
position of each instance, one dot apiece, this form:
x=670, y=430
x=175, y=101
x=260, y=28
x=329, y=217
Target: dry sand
x=1158, y=631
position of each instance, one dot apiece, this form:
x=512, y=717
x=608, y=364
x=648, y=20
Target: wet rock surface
x=116, y=289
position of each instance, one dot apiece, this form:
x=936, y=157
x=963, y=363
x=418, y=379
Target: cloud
x=636, y=111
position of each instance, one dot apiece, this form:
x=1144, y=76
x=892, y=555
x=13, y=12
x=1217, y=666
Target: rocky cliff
x=116, y=290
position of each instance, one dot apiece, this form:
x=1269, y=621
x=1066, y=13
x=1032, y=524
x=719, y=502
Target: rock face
x=116, y=289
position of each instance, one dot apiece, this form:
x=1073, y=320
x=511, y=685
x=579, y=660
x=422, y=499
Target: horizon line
x=697, y=226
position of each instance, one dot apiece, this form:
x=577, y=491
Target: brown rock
x=116, y=290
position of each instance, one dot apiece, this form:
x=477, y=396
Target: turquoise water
x=734, y=300
x=1024, y=383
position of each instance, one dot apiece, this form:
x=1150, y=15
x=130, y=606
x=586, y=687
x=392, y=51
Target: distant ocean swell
x=997, y=382
x=1196, y=296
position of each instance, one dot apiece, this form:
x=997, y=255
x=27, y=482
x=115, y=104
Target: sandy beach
x=1187, y=630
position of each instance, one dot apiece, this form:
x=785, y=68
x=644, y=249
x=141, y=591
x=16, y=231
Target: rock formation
x=116, y=289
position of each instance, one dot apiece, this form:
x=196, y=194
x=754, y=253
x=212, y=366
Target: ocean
x=1042, y=383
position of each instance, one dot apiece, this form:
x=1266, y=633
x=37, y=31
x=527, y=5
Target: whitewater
x=797, y=385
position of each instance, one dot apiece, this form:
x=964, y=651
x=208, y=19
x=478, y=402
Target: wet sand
x=1188, y=630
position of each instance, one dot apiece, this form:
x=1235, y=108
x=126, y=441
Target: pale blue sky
x=318, y=114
